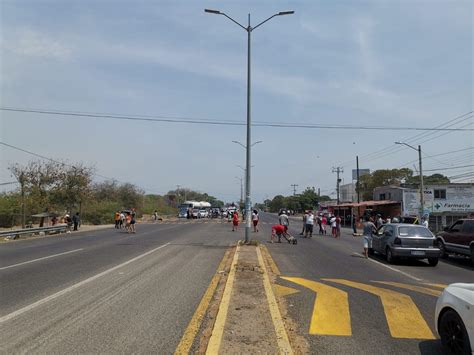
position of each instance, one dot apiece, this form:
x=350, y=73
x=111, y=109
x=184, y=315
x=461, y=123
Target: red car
x=457, y=239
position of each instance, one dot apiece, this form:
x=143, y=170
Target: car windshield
x=414, y=231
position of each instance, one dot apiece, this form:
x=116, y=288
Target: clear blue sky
x=385, y=63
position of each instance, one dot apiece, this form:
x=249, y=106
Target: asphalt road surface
x=365, y=306
x=108, y=291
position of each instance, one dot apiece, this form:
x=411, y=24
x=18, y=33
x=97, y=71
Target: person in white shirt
x=333, y=226
x=309, y=224
x=424, y=222
x=255, y=220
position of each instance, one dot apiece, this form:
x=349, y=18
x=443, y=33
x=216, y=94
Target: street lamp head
x=217, y=12
x=281, y=13
x=398, y=143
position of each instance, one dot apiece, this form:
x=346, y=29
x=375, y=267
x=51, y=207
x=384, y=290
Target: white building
x=347, y=192
x=443, y=203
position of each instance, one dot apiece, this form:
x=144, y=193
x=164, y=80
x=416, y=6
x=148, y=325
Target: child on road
x=235, y=221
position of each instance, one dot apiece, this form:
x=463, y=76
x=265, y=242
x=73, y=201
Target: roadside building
x=348, y=192
x=444, y=203
x=386, y=208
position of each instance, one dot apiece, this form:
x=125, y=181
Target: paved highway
x=363, y=306
x=108, y=291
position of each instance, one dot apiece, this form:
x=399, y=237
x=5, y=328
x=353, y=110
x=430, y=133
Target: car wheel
x=442, y=249
x=433, y=261
x=453, y=334
x=389, y=256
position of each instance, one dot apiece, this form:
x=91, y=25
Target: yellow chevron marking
x=425, y=290
x=282, y=291
x=403, y=317
x=331, y=308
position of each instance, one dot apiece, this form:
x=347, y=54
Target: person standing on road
x=368, y=230
x=68, y=221
x=324, y=222
x=255, y=219
x=309, y=224
x=379, y=221
x=117, y=220
x=333, y=226
x=76, y=220
x=235, y=221
x=128, y=220
x=338, y=226
x=133, y=221
x=122, y=219
x=283, y=219
x=320, y=225
x=354, y=223
x=305, y=215
x=155, y=215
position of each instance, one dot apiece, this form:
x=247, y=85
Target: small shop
x=385, y=208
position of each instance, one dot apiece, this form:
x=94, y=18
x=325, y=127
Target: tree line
x=56, y=188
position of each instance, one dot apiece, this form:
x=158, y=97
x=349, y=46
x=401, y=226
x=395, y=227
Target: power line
x=65, y=164
x=450, y=168
x=390, y=149
x=170, y=119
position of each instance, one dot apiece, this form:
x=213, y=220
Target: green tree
x=385, y=177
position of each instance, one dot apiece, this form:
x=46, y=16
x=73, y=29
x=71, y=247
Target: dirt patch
x=249, y=328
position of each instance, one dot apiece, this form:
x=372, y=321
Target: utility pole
x=294, y=188
x=338, y=170
x=177, y=193
x=319, y=191
x=241, y=190
x=358, y=187
x=248, y=29
x=422, y=188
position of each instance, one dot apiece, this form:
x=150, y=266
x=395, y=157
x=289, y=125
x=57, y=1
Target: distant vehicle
x=407, y=241
x=454, y=319
x=457, y=239
x=183, y=213
x=195, y=213
x=203, y=214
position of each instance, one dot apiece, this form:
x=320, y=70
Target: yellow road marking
x=331, y=308
x=218, y=330
x=192, y=329
x=282, y=291
x=425, y=290
x=282, y=338
x=443, y=286
x=403, y=317
x=271, y=262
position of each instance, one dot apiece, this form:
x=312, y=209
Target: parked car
x=457, y=239
x=203, y=214
x=407, y=241
x=454, y=318
x=195, y=213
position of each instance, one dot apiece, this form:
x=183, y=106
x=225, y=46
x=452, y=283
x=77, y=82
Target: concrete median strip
x=248, y=318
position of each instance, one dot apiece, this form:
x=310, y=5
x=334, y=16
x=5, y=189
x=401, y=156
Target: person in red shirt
x=235, y=221
x=278, y=231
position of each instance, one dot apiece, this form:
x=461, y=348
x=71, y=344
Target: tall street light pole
x=422, y=189
x=249, y=30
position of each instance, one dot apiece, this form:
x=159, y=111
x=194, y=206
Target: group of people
x=309, y=220
x=73, y=222
x=127, y=219
x=235, y=220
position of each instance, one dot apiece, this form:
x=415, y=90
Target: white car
x=454, y=318
x=203, y=214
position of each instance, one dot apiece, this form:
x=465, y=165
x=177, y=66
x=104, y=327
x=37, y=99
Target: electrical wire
x=170, y=119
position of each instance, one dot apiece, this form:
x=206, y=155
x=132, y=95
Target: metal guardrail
x=15, y=233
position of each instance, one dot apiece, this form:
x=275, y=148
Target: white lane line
x=391, y=268
x=43, y=258
x=73, y=287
